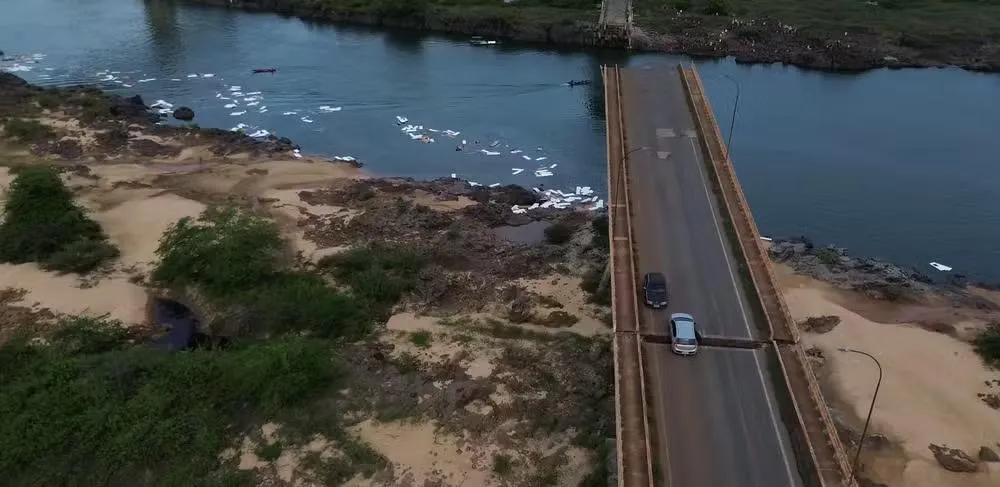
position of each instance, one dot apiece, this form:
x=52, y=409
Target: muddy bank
x=748, y=40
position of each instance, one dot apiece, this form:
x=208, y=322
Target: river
x=896, y=164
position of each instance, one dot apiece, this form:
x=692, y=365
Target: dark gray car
x=654, y=289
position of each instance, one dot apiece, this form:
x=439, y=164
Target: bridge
x=615, y=22
x=747, y=410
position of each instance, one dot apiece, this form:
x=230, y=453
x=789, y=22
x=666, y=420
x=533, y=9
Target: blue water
x=896, y=164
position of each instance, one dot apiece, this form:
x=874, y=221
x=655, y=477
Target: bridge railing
x=819, y=451
x=635, y=466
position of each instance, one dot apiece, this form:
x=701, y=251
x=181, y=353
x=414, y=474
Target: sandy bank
x=929, y=388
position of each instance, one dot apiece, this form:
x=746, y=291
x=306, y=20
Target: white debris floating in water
x=557, y=199
x=940, y=267
x=328, y=109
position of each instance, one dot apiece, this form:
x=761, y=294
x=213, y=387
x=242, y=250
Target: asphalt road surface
x=716, y=422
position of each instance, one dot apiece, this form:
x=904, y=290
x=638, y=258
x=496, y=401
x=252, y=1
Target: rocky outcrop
x=184, y=113
x=877, y=278
x=987, y=454
x=820, y=324
x=874, y=277
x=111, y=117
x=953, y=459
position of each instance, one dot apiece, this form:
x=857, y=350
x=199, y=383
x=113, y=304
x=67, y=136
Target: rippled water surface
x=900, y=164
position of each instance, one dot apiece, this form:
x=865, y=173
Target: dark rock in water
x=184, y=113
x=124, y=107
x=136, y=100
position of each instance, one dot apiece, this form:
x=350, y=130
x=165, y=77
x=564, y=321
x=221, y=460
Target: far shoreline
x=770, y=44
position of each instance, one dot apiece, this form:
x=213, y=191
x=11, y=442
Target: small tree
x=41, y=223
x=987, y=345
x=558, y=233
x=226, y=252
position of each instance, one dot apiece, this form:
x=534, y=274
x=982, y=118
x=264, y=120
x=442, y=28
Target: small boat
x=578, y=82
x=264, y=70
x=479, y=41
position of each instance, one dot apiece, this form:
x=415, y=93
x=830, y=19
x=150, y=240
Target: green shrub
x=591, y=284
x=558, y=233
x=421, y=339
x=378, y=276
x=269, y=452
x=298, y=301
x=717, y=7
x=29, y=131
x=683, y=5
x=81, y=256
x=94, y=106
x=41, y=223
x=600, y=228
x=503, y=465
x=234, y=257
x=48, y=100
x=108, y=414
x=987, y=345
x=225, y=253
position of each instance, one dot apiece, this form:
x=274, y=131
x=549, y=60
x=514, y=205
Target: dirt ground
x=495, y=371
x=931, y=387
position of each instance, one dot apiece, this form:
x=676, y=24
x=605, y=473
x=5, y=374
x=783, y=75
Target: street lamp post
x=864, y=431
x=606, y=276
x=736, y=106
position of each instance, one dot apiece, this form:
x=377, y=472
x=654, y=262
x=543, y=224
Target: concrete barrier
x=819, y=452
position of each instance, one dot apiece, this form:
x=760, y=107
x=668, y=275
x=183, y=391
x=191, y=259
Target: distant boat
x=577, y=82
x=479, y=41
x=264, y=70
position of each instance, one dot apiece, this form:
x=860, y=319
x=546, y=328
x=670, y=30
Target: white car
x=683, y=334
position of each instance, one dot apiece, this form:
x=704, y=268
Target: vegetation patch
x=41, y=223
x=238, y=260
x=27, y=131
x=91, y=408
x=931, y=21
x=559, y=233
x=987, y=345
x=378, y=276
x=421, y=339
